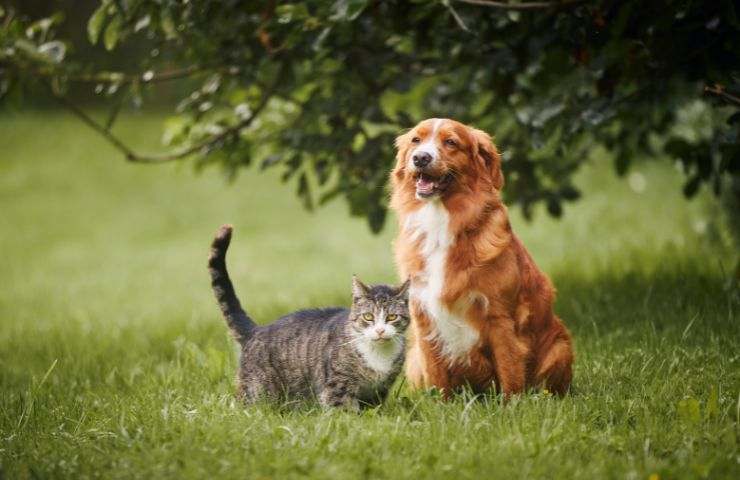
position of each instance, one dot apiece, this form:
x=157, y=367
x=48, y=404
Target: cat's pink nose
x=380, y=331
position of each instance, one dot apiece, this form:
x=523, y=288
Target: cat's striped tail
x=239, y=322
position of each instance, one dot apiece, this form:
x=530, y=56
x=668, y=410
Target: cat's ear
x=403, y=290
x=359, y=289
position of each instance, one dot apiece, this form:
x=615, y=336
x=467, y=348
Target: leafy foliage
x=320, y=89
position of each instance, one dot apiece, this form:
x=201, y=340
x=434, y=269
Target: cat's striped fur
x=342, y=357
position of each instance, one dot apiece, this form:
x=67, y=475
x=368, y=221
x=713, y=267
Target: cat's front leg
x=337, y=393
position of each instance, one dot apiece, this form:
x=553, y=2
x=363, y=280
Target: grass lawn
x=115, y=362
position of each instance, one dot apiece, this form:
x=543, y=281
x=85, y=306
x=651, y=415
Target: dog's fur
x=481, y=309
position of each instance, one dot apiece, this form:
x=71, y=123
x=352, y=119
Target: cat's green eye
x=391, y=317
x=368, y=316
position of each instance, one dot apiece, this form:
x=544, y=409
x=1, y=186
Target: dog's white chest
x=455, y=336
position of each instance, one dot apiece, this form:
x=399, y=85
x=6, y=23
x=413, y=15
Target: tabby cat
x=341, y=357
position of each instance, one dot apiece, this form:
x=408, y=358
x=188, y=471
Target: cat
x=341, y=357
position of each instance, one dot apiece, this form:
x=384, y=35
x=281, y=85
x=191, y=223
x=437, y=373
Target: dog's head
x=439, y=157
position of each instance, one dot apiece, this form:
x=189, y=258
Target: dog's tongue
x=425, y=185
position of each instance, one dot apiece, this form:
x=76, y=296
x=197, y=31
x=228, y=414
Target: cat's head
x=380, y=313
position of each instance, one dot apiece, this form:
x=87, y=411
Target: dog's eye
x=415, y=140
x=367, y=316
x=450, y=142
x=392, y=317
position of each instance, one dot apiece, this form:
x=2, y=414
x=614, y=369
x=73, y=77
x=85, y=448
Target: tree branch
x=133, y=156
x=524, y=5
x=90, y=122
x=121, y=78
x=147, y=77
x=456, y=16
x=719, y=91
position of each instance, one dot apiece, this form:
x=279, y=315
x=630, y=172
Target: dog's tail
x=241, y=326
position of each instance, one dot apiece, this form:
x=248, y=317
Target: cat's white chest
x=381, y=357
x=455, y=336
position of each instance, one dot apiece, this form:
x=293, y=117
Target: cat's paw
x=330, y=402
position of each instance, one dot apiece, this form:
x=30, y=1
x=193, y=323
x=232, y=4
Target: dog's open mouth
x=429, y=185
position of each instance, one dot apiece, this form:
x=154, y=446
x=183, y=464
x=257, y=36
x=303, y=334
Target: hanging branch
x=144, y=78
x=719, y=91
x=455, y=16
x=90, y=122
x=524, y=5
x=133, y=156
x=151, y=77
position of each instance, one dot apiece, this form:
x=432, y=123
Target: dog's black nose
x=421, y=159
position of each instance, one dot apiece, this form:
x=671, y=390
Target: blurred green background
x=115, y=363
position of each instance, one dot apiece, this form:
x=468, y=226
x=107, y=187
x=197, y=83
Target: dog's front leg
x=510, y=355
x=425, y=366
x=415, y=361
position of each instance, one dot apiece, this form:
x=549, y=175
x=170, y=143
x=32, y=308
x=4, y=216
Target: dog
x=482, y=312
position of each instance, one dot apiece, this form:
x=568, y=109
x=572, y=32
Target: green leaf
x=692, y=186
x=678, y=148
x=143, y=23
x=376, y=218
x=569, y=192
x=27, y=48
x=291, y=12
x=237, y=96
x=168, y=25
x=348, y=10
x=50, y=52
x=304, y=192
x=112, y=33
x=622, y=162
x=271, y=160
x=174, y=128
x=54, y=51
x=329, y=195
x=95, y=24
x=41, y=27
x=554, y=207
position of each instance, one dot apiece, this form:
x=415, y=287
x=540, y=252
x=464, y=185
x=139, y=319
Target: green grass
x=114, y=361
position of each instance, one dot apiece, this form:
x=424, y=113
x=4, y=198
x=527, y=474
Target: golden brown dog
x=481, y=309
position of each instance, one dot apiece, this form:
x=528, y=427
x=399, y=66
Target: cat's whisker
x=353, y=340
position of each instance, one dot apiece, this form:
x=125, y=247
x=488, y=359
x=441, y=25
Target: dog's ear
x=401, y=143
x=487, y=153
